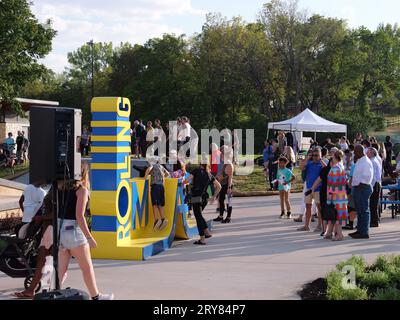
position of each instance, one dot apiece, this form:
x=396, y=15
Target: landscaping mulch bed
x=315, y=290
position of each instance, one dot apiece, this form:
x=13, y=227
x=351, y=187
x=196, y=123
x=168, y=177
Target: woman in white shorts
x=75, y=237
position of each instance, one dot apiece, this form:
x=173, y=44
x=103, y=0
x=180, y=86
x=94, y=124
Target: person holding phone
x=312, y=166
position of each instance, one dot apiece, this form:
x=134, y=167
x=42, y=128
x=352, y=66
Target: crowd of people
x=13, y=152
x=144, y=136
x=207, y=182
x=342, y=182
x=75, y=235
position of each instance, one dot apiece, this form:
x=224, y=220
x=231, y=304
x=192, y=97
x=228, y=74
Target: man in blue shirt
x=312, y=166
x=9, y=144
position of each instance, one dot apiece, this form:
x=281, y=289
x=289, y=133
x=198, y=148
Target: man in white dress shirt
x=362, y=191
x=372, y=154
x=184, y=135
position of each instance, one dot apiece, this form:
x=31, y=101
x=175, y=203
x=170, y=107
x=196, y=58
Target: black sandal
x=208, y=237
x=227, y=220
x=198, y=242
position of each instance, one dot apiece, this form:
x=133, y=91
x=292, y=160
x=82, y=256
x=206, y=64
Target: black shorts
x=157, y=195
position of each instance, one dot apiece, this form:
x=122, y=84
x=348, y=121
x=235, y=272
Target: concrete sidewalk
x=258, y=256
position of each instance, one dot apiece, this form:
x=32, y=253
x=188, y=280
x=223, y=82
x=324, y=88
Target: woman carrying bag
x=335, y=209
x=326, y=212
x=337, y=195
x=201, y=178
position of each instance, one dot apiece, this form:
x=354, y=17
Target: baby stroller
x=18, y=256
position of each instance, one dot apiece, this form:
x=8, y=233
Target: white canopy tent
x=308, y=121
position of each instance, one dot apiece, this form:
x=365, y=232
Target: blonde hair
x=339, y=155
x=214, y=147
x=84, y=182
x=289, y=154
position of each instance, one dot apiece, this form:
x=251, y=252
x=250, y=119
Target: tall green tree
x=159, y=78
x=100, y=54
x=376, y=63
x=23, y=41
x=282, y=21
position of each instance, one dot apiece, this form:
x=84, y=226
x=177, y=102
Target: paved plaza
x=258, y=256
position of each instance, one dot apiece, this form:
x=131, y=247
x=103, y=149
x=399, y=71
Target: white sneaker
x=157, y=225
x=106, y=296
x=163, y=224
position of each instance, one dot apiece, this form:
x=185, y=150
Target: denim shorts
x=71, y=236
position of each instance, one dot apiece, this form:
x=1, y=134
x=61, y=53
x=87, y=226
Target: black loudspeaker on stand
x=54, y=156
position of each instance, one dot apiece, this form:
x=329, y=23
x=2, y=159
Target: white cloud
x=55, y=61
x=134, y=21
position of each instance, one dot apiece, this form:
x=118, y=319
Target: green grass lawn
x=256, y=181
x=4, y=173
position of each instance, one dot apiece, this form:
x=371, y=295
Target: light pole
x=91, y=44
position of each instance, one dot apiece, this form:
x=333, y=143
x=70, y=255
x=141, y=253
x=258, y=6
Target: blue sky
x=135, y=21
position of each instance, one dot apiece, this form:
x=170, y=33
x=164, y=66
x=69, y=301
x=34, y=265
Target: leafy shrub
x=394, y=275
x=376, y=279
x=357, y=262
x=396, y=261
x=383, y=263
x=387, y=294
x=390, y=265
x=357, y=122
x=336, y=290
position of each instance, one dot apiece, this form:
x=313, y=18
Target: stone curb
x=15, y=176
x=239, y=194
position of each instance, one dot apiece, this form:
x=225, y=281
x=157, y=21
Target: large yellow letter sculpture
x=122, y=217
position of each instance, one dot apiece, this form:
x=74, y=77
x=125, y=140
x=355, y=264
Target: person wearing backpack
x=201, y=178
x=157, y=175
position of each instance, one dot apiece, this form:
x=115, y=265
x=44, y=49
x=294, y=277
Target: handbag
x=199, y=199
x=196, y=200
x=330, y=213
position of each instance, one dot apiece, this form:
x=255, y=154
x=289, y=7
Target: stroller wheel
x=28, y=281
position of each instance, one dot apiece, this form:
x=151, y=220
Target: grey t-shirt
x=157, y=174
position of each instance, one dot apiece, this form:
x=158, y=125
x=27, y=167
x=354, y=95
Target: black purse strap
x=206, y=186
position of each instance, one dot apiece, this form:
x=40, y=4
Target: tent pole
x=268, y=134
x=315, y=136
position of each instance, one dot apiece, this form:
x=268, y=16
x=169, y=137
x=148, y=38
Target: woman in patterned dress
x=337, y=194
